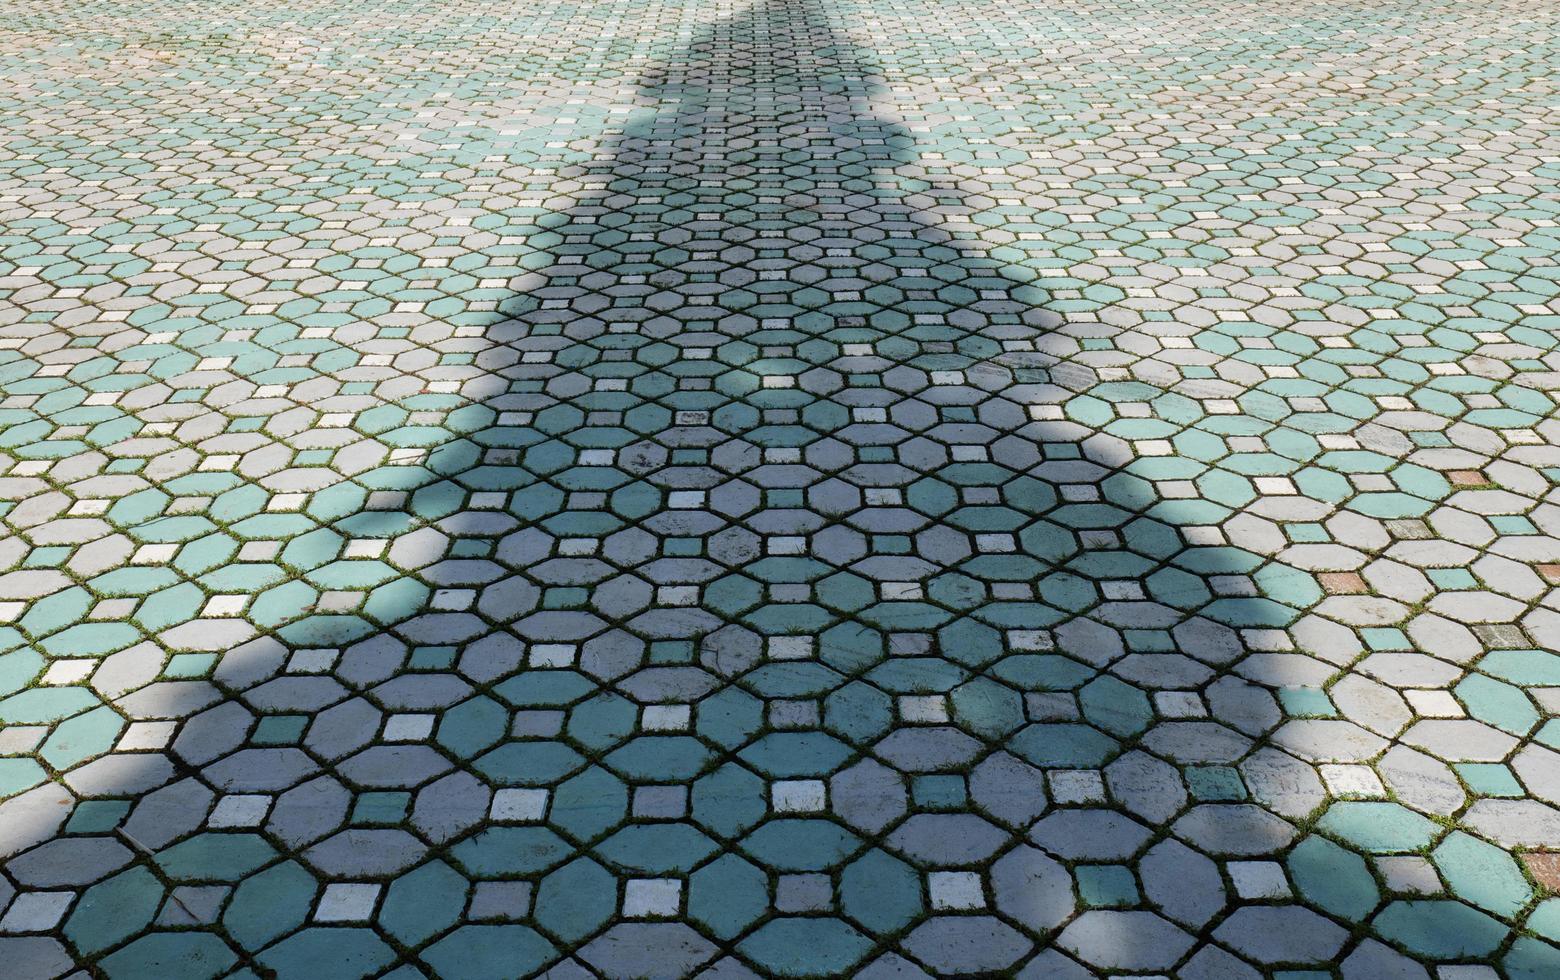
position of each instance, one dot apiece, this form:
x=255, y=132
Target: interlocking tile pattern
x=789, y=487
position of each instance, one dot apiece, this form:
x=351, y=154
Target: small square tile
x=1409, y=875
x=1435, y=704
x=1468, y=971
x=1544, y=866
x=17, y=739
x=794, y=714
x=552, y=655
x=1180, y=704
x=36, y=911
x=925, y=709
x=97, y=816
x=666, y=717
x=909, y=644
x=146, y=736
x=64, y=672
x=380, y=808
x=651, y=897
x=408, y=728
x=347, y=902
x=661, y=802
x=193, y=905
x=939, y=792
x=804, y=893
x=790, y=647
x=1342, y=583
x=243, y=810
x=1215, y=784
x=1489, y=779
x=1051, y=706
x=1352, y=781
x=1306, y=702
x=1106, y=886
x=956, y=890
x=499, y=900
x=279, y=730
x=1258, y=879
x=797, y=795
x=537, y=724
x=312, y=661
x=519, y=805
x=1076, y=786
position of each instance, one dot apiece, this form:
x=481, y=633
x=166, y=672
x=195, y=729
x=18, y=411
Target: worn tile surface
x=801, y=487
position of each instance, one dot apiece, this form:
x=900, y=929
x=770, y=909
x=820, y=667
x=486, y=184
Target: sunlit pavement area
x=794, y=487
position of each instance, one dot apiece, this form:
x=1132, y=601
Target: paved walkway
x=790, y=487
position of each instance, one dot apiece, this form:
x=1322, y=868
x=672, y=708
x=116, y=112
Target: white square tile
x=72, y=671
x=552, y=655
x=21, y=738
x=312, y=661
x=107, y=609
x=146, y=735
x=666, y=717
x=1180, y=704
x=1435, y=704
x=1077, y=786
x=926, y=709
x=519, y=805
x=956, y=890
x=1468, y=971
x=343, y=902
x=239, y=810
x=408, y=728
x=1350, y=780
x=645, y=897
x=677, y=595
x=797, y=796
x=1259, y=879
x=790, y=647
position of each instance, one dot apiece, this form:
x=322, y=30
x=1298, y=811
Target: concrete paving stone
x=1240, y=829
x=1008, y=789
x=1053, y=965
x=1186, y=886
x=1125, y=940
x=69, y=861
x=36, y=956
x=306, y=813
x=449, y=806
x=365, y=852
x=966, y=944
x=36, y=911
x=1421, y=781
x=1032, y=889
x=1091, y=834
x=1323, y=740
x=1373, y=959
x=1281, y=934
x=1282, y=782
x=1460, y=741
x=1146, y=787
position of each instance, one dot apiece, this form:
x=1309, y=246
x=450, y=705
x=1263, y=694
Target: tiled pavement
x=1060, y=487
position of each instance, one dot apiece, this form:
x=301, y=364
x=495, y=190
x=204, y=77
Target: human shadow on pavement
x=773, y=587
